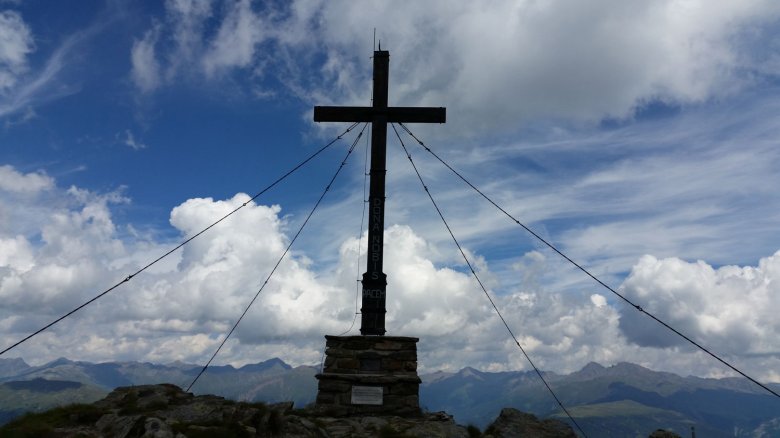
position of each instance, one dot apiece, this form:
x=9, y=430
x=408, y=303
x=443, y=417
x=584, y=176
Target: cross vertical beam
x=373, y=310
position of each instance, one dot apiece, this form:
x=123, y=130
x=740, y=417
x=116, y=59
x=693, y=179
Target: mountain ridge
x=621, y=398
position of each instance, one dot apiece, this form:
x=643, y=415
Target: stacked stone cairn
x=369, y=375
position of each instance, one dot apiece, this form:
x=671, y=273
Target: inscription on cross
x=372, y=321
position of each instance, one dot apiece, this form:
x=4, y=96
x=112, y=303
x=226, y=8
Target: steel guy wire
x=474, y=273
x=278, y=262
x=588, y=273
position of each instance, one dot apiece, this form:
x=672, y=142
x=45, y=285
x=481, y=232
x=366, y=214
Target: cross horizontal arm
x=366, y=114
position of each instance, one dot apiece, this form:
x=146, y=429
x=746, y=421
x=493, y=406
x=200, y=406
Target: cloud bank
x=731, y=306
x=181, y=308
x=500, y=64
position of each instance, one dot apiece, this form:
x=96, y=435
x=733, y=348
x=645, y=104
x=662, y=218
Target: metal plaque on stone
x=367, y=395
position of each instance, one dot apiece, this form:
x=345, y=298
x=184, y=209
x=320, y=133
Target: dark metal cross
x=374, y=280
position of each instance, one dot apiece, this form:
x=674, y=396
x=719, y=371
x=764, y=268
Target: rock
x=117, y=426
x=165, y=411
x=513, y=423
x=156, y=428
x=282, y=407
x=431, y=425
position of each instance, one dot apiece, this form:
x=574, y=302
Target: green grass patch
x=43, y=424
x=129, y=404
x=622, y=408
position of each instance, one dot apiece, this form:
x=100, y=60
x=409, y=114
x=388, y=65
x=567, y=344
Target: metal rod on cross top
x=372, y=321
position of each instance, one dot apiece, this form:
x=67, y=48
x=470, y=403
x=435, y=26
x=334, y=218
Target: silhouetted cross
x=372, y=321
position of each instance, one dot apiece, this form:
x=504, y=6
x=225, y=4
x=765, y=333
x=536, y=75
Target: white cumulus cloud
x=495, y=65
x=30, y=183
x=234, y=45
x=181, y=309
x=731, y=308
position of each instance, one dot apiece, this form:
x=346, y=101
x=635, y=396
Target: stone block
x=371, y=365
x=344, y=398
x=412, y=401
x=357, y=345
x=339, y=352
x=325, y=398
x=369, y=354
x=392, y=365
x=348, y=364
x=393, y=401
x=404, y=389
x=335, y=386
x=405, y=355
x=388, y=345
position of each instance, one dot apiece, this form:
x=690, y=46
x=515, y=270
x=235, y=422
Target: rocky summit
x=165, y=411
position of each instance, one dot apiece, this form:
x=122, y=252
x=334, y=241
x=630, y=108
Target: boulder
x=513, y=423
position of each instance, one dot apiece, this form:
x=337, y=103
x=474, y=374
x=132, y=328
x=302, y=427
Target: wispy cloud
x=129, y=140
x=16, y=42
x=501, y=67
x=145, y=71
x=25, y=117
x=39, y=86
x=699, y=185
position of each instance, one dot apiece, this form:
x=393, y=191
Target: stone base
x=369, y=375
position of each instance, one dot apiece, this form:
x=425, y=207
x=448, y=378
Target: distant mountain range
x=623, y=400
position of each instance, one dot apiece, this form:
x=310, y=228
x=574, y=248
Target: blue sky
x=640, y=138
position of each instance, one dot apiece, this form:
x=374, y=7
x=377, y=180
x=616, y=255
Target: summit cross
x=372, y=320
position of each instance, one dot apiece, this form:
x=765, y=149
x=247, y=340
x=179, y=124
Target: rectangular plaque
x=367, y=395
